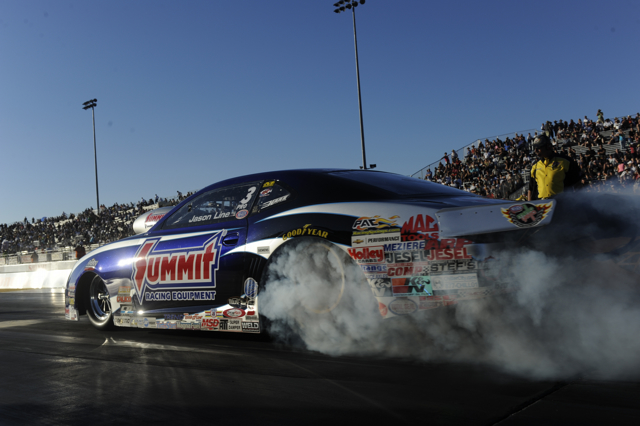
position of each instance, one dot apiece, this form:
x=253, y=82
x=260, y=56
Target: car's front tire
x=99, y=305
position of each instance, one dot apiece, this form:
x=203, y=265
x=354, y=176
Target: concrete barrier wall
x=41, y=275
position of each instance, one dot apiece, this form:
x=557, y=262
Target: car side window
x=272, y=193
x=218, y=205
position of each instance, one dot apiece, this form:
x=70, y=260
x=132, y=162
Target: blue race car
x=202, y=265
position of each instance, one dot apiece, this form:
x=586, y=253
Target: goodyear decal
x=305, y=230
x=177, y=269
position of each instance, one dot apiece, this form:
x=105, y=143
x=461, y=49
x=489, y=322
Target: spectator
x=552, y=173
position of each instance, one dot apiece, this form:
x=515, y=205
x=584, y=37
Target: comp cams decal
x=185, y=273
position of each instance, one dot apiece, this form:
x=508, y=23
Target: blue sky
x=192, y=92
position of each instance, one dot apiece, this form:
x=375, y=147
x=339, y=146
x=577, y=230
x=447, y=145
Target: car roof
x=317, y=184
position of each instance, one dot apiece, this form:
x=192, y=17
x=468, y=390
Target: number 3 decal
x=246, y=199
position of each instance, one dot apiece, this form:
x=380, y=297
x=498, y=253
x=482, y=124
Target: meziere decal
x=179, y=269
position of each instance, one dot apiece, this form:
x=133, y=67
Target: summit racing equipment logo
x=176, y=269
x=527, y=215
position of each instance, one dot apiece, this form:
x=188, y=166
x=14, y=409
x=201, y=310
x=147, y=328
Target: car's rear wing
x=487, y=218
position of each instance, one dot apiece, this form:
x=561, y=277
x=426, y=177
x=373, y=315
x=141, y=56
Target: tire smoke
x=565, y=316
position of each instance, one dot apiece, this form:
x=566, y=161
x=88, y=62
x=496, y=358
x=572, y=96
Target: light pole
x=92, y=104
x=342, y=6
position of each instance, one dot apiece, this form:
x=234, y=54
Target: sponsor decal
x=242, y=214
x=453, y=266
x=124, y=294
x=196, y=317
x=123, y=321
x=367, y=254
x=183, y=325
x=72, y=301
x=527, y=215
x=305, y=230
x=91, y=265
x=177, y=317
x=375, y=276
x=413, y=286
x=252, y=327
x=274, y=201
x=380, y=286
x=251, y=317
x=234, y=325
x=210, y=323
x=374, y=268
x=265, y=192
x=383, y=309
x=191, y=267
x=153, y=218
x=147, y=323
x=474, y=293
x=264, y=250
x=234, y=313
x=126, y=309
x=195, y=326
x=421, y=227
x=70, y=313
x=407, y=256
x=251, y=288
x=454, y=281
x=224, y=324
x=238, y=302
x=268, y=184
x=430, y=302
x=375, y=239
x=375, y=222
x=403, y=306
x=408, y=270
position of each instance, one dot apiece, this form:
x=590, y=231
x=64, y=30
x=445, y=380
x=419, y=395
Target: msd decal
x=177, y=269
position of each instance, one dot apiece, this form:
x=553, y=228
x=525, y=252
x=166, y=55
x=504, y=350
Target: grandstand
x=499, y=167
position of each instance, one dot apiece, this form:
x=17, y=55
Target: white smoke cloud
x=567, y=316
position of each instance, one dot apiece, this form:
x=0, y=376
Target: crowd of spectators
x=86, y=228
x=497, y=168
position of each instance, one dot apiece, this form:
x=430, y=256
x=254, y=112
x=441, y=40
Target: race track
x=58, y=372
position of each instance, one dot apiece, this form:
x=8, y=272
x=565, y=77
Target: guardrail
x=66, y=253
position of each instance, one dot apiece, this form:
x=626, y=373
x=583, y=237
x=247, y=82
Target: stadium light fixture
x=341, y=6
x=92, y=104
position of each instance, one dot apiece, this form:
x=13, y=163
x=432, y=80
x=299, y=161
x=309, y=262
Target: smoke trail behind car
x=567, y=316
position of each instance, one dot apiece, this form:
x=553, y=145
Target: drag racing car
x=203, y=264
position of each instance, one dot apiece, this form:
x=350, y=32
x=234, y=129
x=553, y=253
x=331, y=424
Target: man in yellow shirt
x=553, y=173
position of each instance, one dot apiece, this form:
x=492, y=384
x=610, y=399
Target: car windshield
x=403, y=186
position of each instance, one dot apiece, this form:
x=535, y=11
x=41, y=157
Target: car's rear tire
x=310, y=285
x=99, y=305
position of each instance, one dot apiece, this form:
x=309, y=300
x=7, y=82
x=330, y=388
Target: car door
x=192, y=260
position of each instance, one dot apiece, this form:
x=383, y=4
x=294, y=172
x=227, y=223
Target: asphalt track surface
x=57, y=372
